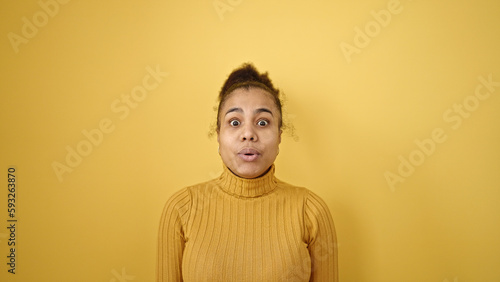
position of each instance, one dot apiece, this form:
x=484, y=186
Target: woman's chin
x=250, y=170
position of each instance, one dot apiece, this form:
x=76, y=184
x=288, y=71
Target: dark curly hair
x=245, y=77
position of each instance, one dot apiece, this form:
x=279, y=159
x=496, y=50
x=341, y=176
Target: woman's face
x=249, y=134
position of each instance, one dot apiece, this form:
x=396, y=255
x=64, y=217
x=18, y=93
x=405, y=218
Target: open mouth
x=249, y=154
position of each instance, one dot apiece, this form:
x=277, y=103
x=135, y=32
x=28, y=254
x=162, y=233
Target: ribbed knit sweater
x=237, y=229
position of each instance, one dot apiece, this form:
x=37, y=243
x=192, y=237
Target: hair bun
x=245, y=76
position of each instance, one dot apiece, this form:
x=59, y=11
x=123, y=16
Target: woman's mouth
x=248, y=154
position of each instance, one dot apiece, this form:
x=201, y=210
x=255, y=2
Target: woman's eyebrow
x=239, y=110
x=257, y=111
x=263, y=110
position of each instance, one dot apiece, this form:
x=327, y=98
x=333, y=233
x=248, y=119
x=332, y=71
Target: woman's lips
x=248, y=154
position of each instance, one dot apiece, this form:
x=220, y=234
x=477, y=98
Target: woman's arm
x=171, y=237
x=322, y=240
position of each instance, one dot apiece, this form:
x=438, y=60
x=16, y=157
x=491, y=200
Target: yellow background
x=354, y=115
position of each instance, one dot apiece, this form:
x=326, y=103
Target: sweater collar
x=247, y=188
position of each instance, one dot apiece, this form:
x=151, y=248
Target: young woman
x=247, y=225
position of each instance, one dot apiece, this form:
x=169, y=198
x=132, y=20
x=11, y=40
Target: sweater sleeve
x=321, y=239
x=171, y=237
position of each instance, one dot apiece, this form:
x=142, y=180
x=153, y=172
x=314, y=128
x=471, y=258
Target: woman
x=246, y=225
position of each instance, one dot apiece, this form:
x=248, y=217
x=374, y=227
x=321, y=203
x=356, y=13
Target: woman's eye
x=262, y=122
x=234, y=122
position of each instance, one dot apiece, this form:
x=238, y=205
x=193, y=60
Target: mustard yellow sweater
x=236, y=229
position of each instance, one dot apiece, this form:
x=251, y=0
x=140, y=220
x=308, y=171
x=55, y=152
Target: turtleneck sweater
x=237, y=229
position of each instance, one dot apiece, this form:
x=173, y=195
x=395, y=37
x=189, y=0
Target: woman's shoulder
x=187, y=193
x=201, y=187
x=305, y=192
x=181, y=199
x=291, y=188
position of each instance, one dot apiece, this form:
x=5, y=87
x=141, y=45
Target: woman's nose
x=248, y=134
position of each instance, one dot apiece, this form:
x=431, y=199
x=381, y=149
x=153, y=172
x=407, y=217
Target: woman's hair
x=245, y=77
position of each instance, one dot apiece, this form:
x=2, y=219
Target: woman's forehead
x=250, y=99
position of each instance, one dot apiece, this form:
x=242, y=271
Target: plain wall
x=395, y=107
